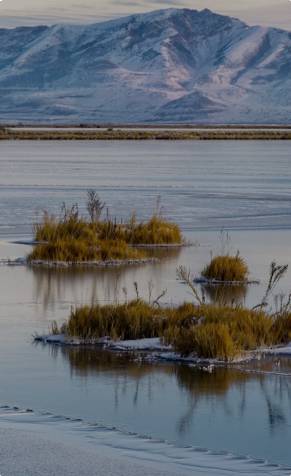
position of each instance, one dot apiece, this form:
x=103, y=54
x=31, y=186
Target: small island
x=71, y=239
x=226, y=270
x=192, y=331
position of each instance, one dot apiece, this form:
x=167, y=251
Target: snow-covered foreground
x=34, y=444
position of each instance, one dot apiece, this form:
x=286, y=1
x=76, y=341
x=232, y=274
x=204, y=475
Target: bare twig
x=277, y=272
x=124, y=290
x=136, y=290
x=94, y=205
x=156, y=301
x=185, y=275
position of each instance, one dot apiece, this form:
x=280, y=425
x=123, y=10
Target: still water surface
x=203, y=185
x=241, y=186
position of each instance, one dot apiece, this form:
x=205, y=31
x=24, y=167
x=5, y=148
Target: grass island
x=192, y=330
x=71, y=239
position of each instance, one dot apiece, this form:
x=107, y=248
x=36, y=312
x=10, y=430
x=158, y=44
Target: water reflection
x=52, y=286
x=224, y=387
x=89, y=285
x=202, y=386
x=129, y=376
x=226, y=295
x=280, y=370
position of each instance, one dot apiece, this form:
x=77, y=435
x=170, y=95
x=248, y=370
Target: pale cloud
x=27, y=12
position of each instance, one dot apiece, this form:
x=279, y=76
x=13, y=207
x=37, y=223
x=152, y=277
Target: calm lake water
x=243, y=187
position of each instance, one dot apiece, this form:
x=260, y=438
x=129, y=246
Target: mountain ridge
x=171, y=65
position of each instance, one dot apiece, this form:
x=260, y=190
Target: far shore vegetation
x=73, y=238
x=9, y=133
x=198, y=328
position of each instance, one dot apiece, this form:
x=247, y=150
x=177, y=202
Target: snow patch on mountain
x=174, y=65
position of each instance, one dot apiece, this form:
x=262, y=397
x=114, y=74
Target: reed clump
x=73, y=238
x=226, y=269
x=282, y=328
x=73, y=250
x=220, y=331
x=156, y=231
x=134, y=320
x=206, y=331
x=198, y=329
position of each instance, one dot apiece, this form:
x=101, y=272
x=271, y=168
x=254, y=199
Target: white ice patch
x=281, y=350
x=33, y=444
x=140, y=344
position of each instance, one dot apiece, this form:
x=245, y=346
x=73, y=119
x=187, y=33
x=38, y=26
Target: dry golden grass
x=72, y=238
x=226, y=268
x=78, y=250
x=220, y=331
x=282, y=328
x=156, y=231
x=135, y=320
x=127, y=134
x=207, y=331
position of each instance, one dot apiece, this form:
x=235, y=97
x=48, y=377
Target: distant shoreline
x=141, y=133
x=141, y=125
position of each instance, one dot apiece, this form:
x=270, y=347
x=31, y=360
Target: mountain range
x=174, y=65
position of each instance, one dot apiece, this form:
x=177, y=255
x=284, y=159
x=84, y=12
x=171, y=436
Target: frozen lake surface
x=205, y=186
x=236, y=185
x=29, y=440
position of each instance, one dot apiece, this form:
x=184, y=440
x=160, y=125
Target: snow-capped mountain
x=174, y=65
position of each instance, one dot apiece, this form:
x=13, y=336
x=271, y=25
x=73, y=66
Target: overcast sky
x=27, y=12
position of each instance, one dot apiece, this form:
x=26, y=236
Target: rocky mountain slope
x=175, y=65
